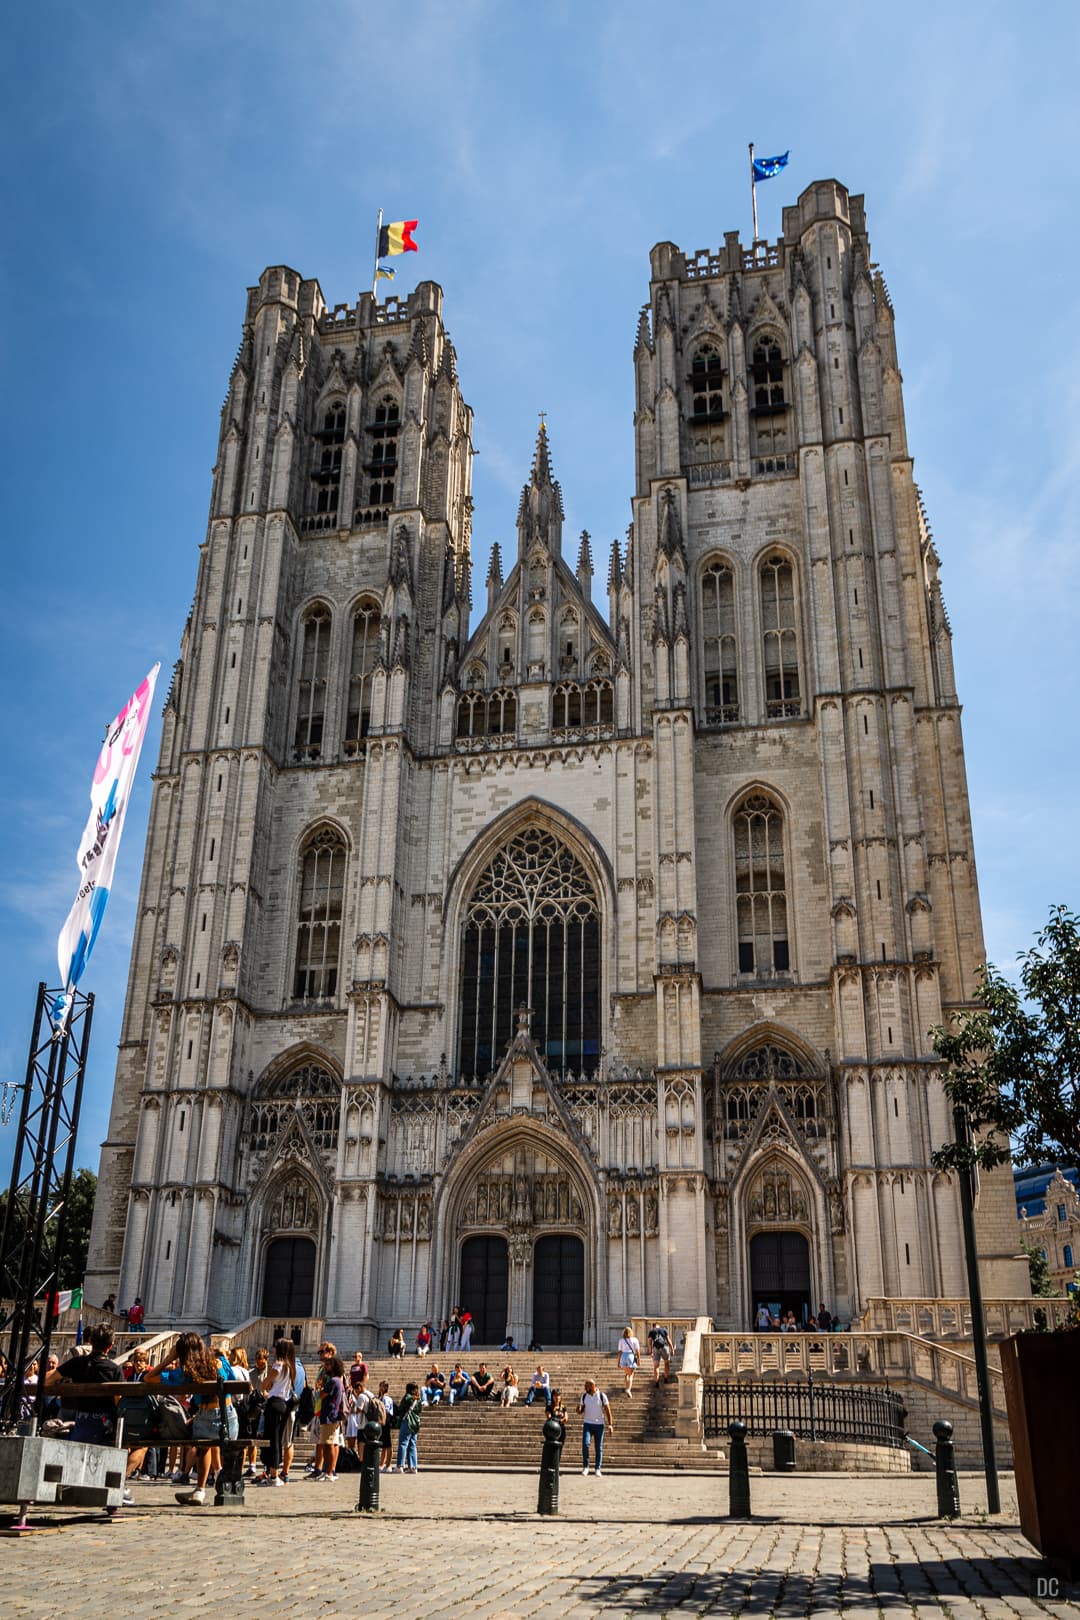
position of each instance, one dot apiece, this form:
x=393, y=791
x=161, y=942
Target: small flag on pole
x=397, y=238
x=69, y=1299
x=383, y=275
x=767, y=168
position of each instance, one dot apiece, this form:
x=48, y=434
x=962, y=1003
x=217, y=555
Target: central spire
x=540, y=511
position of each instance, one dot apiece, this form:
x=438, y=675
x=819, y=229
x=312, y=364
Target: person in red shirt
x=135, y=1315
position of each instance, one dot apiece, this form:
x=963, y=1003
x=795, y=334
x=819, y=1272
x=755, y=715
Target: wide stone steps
x=483, y=1434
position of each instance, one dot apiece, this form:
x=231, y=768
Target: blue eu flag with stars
x=766, y=168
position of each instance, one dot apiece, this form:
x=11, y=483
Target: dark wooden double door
x=780, y=1273
x=289, y=1278
x=558, y=1288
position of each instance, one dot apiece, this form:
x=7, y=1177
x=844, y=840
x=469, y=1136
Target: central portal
x=780, y=1273
x=559, y=1290
x=289, y=1277
x=485, y=1273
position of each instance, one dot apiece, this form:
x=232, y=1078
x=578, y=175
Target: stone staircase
x=483, y=1434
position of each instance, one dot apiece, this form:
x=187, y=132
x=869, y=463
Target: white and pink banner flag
x=109, y=795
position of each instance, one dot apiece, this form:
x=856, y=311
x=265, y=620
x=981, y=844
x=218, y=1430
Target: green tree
x=77, y=1236
x=1042, y=1284
x=1013, y=1060
x=80, y=1213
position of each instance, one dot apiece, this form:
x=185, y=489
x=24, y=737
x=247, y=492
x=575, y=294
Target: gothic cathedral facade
x=570, y=966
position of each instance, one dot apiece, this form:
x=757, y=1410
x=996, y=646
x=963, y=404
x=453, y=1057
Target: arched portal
x=511, y=1190
x=559, y=1290
x=780, y=1273
x=485, y=1277
x=289, y=1277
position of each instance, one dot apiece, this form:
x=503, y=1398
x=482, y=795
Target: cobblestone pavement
x=469, y=1545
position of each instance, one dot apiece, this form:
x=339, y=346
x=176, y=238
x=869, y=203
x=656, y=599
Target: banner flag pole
x=375, y=268
x=753, y=190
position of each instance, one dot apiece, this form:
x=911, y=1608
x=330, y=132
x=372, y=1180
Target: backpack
x=348, y=1462
x=375, y=1409
x=153, y=1418
x=305, y=1409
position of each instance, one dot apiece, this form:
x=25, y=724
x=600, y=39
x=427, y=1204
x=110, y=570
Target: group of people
x=770, y=1321
x=336, y=1405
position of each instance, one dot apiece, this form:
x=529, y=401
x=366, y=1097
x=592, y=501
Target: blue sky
x=158, y=157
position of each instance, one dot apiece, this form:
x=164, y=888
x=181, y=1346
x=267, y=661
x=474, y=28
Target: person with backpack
x=595, y=1410
x=408, y=1420
x=192, y=1362
x=660, y=1348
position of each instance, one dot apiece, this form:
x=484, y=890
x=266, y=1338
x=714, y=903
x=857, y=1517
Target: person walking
x=408, y=1415
x=661, y=1351
x=595, y=1410
x=629, y=1359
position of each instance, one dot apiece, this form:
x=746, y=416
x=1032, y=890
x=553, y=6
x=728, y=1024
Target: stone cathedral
x=579, y=964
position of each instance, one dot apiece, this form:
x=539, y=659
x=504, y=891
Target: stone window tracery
x=706, y=383
x=311, y=684
x=312, y=1090
x=326, y=473
x=487, y=714
x=532, y=938
x=318, y=936
x=365, y=650
x=779, y=618
x=382, y=456
x=720, y=645
x=760, y=896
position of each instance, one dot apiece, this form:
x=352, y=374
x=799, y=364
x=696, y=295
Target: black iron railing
x=869, y=1415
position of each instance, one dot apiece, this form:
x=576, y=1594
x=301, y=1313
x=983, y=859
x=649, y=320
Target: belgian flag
x=397, y=238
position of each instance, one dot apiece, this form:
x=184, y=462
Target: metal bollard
x=229, y=1484
x=738, y=1473
x=369, y=1468
x=553, y=1432
x=948, y=1486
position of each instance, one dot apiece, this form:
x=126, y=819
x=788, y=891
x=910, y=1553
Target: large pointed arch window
x=532, y=939
x=365, y=649
x=311, y=687
x=720, y=645
x=780, y=623
x=318, y=934
x=760, y=892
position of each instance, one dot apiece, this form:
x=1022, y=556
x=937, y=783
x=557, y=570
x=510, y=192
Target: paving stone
x=860, y=1549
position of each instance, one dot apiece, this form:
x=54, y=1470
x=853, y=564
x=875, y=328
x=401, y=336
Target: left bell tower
x=332, y=594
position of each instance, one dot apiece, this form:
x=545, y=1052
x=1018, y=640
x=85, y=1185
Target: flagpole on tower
x=753, y=190
x=375, y=267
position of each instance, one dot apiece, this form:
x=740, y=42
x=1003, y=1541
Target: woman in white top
x=629, y=1360
x=280, y=1386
